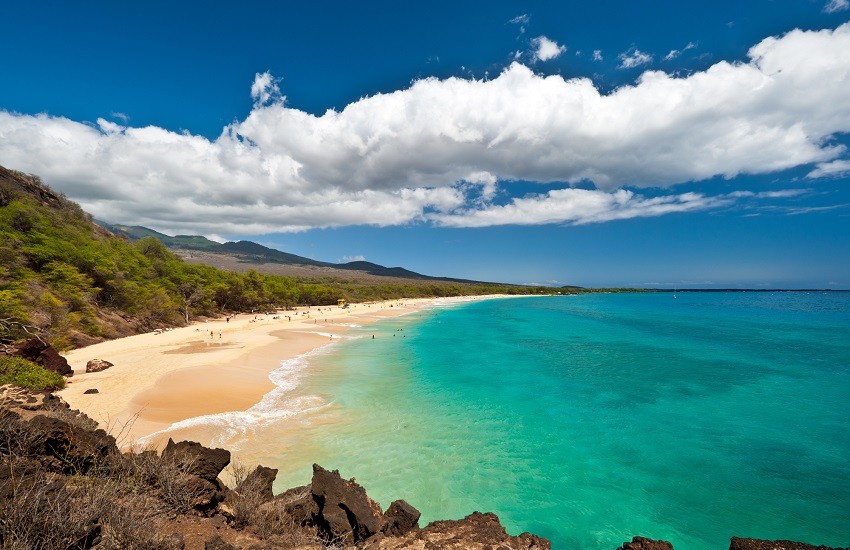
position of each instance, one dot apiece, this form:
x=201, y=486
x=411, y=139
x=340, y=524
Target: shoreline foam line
x=232, y=426
x=208, y=368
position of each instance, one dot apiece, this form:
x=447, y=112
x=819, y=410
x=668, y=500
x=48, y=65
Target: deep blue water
x=590, y=419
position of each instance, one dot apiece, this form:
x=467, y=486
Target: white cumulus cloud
x=547, y=49
x=445, y=150
x=597, y=55
x=265, y=88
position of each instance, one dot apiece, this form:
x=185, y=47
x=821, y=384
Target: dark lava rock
x=299, y=505
x=91, y=390
x=97, y=365
x=76, y=449
x=198, y=460
x=400, y=518
x=346, y=513
x=38, y=352
x=259, y=482
x=757, y=544
x=643, y=543
x=205, y=494
x=476, y=531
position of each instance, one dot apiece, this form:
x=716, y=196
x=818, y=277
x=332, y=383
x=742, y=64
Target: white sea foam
x=277, y=405
x=444, y=304
x=331, y=335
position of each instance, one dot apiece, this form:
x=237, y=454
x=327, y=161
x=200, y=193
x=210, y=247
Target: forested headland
x=74, y=283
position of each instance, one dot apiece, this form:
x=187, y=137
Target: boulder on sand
x=97, y=365
x=40, y=353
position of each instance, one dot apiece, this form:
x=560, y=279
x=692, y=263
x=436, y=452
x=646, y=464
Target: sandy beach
x=210, y=367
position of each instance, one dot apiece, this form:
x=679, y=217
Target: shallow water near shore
x=590, y=419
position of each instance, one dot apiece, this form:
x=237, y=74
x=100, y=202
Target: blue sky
x=598, y=144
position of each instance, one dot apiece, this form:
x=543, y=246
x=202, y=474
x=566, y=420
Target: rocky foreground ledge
x=64, y=485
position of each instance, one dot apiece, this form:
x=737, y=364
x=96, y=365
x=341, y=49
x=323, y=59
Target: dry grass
x=43, y=511
x=125, y=500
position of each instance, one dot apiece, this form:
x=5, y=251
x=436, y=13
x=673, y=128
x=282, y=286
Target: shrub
x=26, y=374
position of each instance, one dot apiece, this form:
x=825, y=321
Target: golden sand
x=206, y=368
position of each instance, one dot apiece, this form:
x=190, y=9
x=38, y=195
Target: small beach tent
x=341, y=302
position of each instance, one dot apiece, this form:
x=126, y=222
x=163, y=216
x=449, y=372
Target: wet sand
x=163, y=378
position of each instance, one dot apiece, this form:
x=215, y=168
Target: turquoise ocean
x=589, y=419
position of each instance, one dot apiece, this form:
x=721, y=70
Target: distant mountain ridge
x=251, y=252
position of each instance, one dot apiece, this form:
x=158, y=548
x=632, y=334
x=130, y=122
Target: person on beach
x=219, y=333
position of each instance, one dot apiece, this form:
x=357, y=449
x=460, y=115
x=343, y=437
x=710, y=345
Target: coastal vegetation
x=75, y=283
x=28, y=375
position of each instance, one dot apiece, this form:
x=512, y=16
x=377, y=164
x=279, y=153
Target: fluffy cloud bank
x=440, y=150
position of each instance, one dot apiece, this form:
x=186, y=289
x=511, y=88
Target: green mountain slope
x=71, y=281
x=136, y=232
x=251, y=252
x=74, y=283
x=260, y=254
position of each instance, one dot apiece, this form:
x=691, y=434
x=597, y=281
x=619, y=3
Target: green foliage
x=26, y=374
x=61, y=274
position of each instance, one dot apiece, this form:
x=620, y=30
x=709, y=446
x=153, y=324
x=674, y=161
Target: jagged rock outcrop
x=643, y=543
x=75, y=449
x=299, y=505
x=346, y=513
x=400, y=519
x=202, y=467
x=259, y=482
x=476, y=531
x=738, y=543
x=38, y=352
x=196, y=459
x=97, y=365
